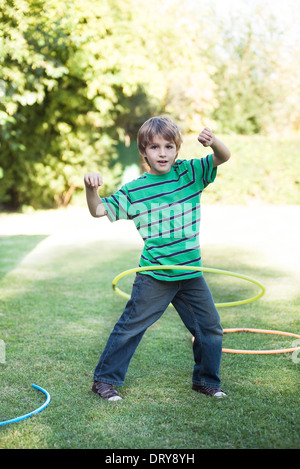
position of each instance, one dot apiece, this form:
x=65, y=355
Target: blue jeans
x=149, y=299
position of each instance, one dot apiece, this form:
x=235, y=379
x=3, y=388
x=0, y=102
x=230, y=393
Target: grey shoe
x=106, y=391
x=209, y=391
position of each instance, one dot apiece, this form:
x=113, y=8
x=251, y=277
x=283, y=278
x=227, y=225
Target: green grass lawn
x=56, y=314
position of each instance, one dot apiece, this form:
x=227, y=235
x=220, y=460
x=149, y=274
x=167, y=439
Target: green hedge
x=262, y=168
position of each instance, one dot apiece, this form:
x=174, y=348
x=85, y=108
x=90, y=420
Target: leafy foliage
x=78, y=77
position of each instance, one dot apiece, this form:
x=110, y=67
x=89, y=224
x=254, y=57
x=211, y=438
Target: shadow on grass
x=14, y=248
x=58, y=322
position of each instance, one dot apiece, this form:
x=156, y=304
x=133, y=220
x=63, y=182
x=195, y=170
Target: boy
x=164, y=204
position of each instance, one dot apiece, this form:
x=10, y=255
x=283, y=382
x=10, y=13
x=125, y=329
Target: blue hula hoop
x=39, y=409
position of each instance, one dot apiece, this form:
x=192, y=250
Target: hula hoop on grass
x=262, y=331
x=202, y=269
x=39, y=409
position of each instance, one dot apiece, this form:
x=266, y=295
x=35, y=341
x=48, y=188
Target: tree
x=61, y=75
x=251, y=83
x=78, y=77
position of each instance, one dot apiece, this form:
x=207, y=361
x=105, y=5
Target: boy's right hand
x=93, y=180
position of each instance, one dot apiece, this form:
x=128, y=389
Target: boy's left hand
x=206, y=137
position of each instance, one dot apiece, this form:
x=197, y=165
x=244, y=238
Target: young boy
x=164, y=204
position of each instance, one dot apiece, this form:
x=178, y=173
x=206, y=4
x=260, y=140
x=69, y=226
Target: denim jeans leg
x=149, y=300
x=197, y=310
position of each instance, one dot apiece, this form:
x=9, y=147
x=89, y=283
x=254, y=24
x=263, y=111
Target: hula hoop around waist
x=201, y=269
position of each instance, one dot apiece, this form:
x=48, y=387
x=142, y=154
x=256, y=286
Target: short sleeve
x=117, y=205
x=205, y=170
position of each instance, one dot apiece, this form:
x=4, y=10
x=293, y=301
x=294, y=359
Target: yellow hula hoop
x=219, y=305
x=202, y=269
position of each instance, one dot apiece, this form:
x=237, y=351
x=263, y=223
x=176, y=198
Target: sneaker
x=106, y=391
x=209, y=391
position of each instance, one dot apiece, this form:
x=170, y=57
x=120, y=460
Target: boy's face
x=161, y=155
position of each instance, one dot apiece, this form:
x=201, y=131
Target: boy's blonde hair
x=158, y=126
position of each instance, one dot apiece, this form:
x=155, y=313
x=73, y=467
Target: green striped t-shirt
x=166, y=212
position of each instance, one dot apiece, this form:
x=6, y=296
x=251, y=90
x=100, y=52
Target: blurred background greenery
x=79, y=77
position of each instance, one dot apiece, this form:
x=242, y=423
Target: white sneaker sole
x=220, y=394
